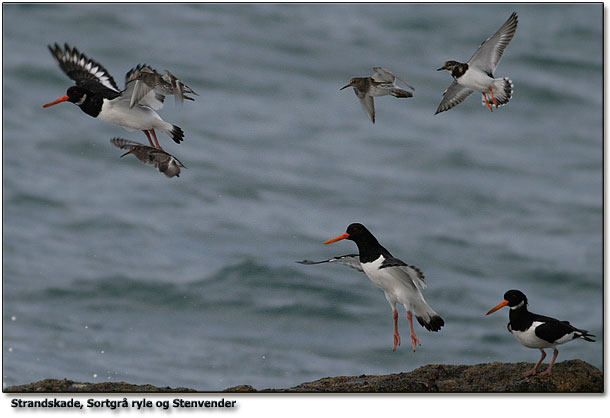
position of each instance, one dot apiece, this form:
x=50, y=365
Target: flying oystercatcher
x=537, y=331
x=381, y=83
x=400, y=282
x=477, y=73
x=97, y=94
x=161, y=160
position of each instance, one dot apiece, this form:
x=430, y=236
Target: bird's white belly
x=529, y=339
x=385, y=279
x=136, y=118
x=476, y=80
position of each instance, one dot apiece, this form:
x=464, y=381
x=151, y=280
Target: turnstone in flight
x=477, y=73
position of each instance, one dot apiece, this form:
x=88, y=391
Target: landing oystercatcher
x=400, y=282
x=477, y=73
x=161, y=160
x=381, y=83
x=97, y=94
x=537, y=331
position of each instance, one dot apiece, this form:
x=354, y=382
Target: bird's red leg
x=487, y=102
x=548, y=371
x=533, y=371
x=149, y=140
x=414, y=340
x=492, y=97
x=396, y=335
x=156, y=140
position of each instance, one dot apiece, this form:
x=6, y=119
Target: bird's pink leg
x=414, y=340
x=156, y=140
x=533, y=371
x=548, y=371
x=396, y=334
x=492, y=97
x=487, y=102
x=149, y=140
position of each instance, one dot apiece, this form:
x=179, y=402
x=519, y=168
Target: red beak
x=54, y=102
x=339, y=238
x=500, y=305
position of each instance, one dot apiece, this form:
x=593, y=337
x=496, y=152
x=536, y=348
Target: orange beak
x=500, y=305
x=346, y=86
x=127, y=153
x=54, y=102
x=339, y=238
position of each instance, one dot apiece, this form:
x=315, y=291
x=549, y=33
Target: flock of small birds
x=134, y=108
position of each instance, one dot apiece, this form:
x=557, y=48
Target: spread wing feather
x=490, y=52
x=80, y=68
x=350, y=260
x=453, y=96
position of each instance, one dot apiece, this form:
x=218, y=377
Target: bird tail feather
x=503, y=92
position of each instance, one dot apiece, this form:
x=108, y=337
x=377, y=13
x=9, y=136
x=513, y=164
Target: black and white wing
x=351, y=260
x=490, y=52
x=453, y=96
x=80, y=68
x=411, y=274
x=556, y=331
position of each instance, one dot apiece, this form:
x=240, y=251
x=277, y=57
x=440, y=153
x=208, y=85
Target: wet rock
x=574, y=376
x=65, y=385
x=568, y=376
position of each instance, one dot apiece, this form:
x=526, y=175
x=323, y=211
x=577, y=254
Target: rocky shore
x=574, y=376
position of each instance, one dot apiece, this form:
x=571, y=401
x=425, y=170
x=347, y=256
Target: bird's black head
x=514, y=299
x=456, y=69
x=75, y=94
x=449, y=65
x=355, y=232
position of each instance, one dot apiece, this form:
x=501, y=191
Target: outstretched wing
x=368, y=104
x=125, y=143
x=139, y=92
x=490, y=52
x=454, y=95
x=80, y=68
x=383, y=75
x=351, y=260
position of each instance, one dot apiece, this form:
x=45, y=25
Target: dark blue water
x=113, y=272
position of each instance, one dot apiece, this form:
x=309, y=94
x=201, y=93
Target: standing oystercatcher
x=400, y=282
x=381, y=83
x=477, y=73
x=537, y=331
x=97, y=94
